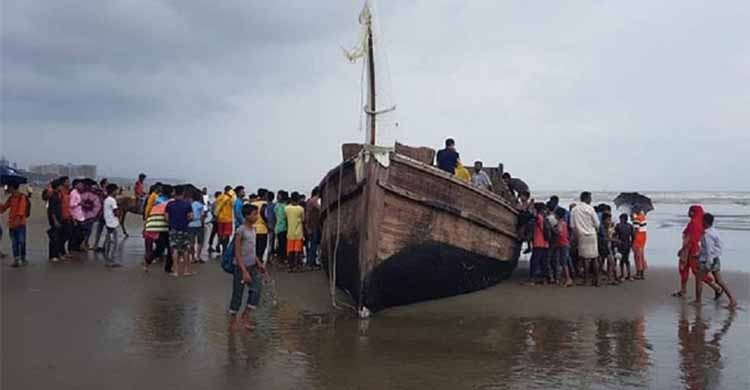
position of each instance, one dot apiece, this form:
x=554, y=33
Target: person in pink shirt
x=76, y=211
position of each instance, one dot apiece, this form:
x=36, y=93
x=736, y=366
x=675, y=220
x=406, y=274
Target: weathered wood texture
x=391, y=211
x=422, y=154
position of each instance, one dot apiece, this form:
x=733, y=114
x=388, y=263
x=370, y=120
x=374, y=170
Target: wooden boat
x=398, y=230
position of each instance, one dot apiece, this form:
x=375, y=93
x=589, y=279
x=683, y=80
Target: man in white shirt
x=112, y=222
x=481, y=178
x=585, y=223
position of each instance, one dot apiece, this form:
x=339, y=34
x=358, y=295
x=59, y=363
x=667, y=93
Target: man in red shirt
x=140, y=191
x=537, y=266
x=20, y=209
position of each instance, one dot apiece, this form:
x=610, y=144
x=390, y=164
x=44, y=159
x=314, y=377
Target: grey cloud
x=564, y=95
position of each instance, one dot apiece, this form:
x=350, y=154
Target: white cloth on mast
x=359, y=51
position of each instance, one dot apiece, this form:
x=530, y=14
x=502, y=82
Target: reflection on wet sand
x=700, y=359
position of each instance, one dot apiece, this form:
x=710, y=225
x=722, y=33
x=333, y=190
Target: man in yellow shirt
x=261, y=227
x=462, y=173
x=224, y=217
x=295, y=217
x=155, y=191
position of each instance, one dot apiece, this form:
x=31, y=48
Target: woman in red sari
x=688, y=254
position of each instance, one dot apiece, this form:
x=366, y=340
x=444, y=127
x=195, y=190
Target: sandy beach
x=78, y=325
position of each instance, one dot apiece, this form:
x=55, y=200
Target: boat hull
x=398, y=231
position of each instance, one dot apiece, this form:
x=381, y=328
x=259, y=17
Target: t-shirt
x=463, y=174
x=239, y=219
x=280, y=210
x=295, y=216
x=447, y=159
x=76, y=208
x=260, y=224
x=139, y=189
x=223, y=208
x=178, y=213
x=246, y=237
x=539, y=240
x=518, y=186
x=624, y=234
x=312, y=215
x=198, y=209
x=482, y=179
x=110, y=219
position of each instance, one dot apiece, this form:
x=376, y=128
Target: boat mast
x=371, y=80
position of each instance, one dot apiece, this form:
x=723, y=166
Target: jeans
x=99, y=229
x=110, y=245
x=311, y=245
x=18, y=242
x=560, y=260
x=255, y=287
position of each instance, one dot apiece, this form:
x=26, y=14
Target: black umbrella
x=634, y=200
x=189, y=190
x=10, y=176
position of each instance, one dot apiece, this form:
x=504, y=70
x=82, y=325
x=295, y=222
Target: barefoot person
x=639, y=243
x=179, y=212
x=710, y=252
x=691, y=247
x=248, y=268
x=585, y=223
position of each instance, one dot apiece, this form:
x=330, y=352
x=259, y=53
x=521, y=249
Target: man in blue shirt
x=239, y=201
x=708, y=259
x=447, y=158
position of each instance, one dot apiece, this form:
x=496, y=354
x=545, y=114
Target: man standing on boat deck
x=448, y=158
x=481, y=178
x=515, y=185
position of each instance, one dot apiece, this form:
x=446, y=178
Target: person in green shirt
x=281, y=225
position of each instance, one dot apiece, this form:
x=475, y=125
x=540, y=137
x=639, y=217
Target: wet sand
x=80, y=326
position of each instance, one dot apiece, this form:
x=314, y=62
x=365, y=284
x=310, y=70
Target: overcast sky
x=582, y=95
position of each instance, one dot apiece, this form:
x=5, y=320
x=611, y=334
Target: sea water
x=670, y=216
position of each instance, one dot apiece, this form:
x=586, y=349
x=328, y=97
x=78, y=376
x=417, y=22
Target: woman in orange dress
x=639, y=242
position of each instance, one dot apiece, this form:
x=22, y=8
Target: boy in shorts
x=248, y=267
x=179, y=213
x=623, y=242
x=709, y=262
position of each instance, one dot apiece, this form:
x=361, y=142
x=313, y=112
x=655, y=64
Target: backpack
x=227, y=259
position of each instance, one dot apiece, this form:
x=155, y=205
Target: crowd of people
x=582, y=243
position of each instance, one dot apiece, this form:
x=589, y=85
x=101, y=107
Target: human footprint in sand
x=709, y=261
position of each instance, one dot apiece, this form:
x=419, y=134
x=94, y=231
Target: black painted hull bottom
x=429, y=271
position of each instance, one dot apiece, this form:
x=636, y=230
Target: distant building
x=71, y=170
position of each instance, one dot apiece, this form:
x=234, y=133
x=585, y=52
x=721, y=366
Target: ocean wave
x=663, y=197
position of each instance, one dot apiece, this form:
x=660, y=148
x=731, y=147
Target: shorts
x=714, y=266
x=196, y=235
x=624, y=255
x=179, y=240
x=293, y=246
x=224, y=229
